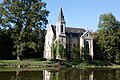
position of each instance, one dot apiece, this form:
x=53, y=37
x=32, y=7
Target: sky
x=82, y=13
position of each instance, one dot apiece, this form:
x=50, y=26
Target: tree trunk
x=18, y=58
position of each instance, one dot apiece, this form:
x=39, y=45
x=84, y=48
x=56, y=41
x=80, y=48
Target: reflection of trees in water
x=107, y=74
x=16, y=77
x=78, y=74
x=27, y=75
x=63, y=74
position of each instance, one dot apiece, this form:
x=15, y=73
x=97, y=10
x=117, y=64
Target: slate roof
x=70, y=32
x=54, y=29
x=74, y=32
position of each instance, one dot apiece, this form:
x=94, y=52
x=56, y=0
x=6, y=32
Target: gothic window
x=86, y=47
x=61, y=28
x=74, y=45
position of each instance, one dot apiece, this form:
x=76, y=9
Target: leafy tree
x=53, y=49
x=58, y=50
x=39, y=39
x=6, y=45
x=76, y=52
x=26, y=18
x=96, y=48
x=107, y=22
x=109, y=38
x=61, y=50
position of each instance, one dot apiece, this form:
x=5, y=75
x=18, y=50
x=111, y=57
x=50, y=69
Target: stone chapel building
x=69, y=37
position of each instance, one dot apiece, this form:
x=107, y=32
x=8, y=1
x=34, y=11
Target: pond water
x=62, y=74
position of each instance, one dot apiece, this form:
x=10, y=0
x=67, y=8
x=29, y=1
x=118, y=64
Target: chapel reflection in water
x=62, y=74
x=68, y=75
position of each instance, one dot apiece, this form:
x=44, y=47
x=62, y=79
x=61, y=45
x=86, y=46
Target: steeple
x=61, y=16
x=61, y=24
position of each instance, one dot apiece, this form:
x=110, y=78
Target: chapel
x=69, y=38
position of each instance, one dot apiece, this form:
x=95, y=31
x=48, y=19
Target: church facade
x=69, y=38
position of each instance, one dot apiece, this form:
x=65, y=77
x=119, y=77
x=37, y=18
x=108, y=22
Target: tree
x=58, y=50
x=109, y=38
x=76, y=52
x=25, y=17
x=96, y=48
x=6, y=45
x=61, y=50
x=107, y=22
x=53, y=49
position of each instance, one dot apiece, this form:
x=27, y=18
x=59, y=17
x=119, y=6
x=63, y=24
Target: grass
x=36, y=63
x=90, y=64
x=27, y=63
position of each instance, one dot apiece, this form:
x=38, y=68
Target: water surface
x=62, y=74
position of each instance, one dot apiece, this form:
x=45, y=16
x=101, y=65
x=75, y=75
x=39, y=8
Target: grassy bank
x=90, y=64
x=27, y=63
x=55, y=64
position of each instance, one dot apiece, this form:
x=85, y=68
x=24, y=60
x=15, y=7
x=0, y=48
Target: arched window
x=87, y=47
x=74, y=45
x=61, y=28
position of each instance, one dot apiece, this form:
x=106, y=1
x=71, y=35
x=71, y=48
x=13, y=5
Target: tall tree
x=6, y=45
x=25, y=17
x=109, y=38
x=107, y=22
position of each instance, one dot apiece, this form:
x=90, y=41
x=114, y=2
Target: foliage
x=53, y=49
x=26, y=19
x=6, y=45
x=76, y=52
x=108, y=38
x=107, y=22
x=61, y=50
x=58, y=50
x=85, y=55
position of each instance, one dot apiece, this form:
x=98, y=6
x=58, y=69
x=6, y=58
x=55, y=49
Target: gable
x=50, y=30
x=87, y=35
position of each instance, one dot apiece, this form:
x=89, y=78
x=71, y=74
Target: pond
x=62, y=74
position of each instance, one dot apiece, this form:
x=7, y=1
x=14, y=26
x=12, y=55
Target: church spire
x=61, y=16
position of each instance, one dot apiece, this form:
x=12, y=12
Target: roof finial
x=50, y=21
x=87, y=28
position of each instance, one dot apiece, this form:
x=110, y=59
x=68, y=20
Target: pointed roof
x=61, y=16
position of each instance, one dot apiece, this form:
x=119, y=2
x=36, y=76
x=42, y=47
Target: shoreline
x=40, y=65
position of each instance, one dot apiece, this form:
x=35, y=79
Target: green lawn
x=27, y=63
x=34, y=63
